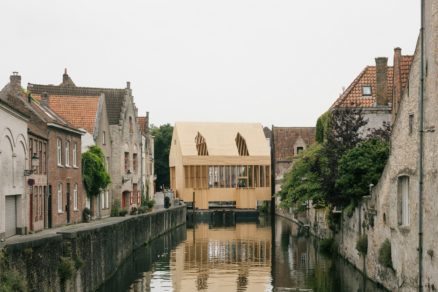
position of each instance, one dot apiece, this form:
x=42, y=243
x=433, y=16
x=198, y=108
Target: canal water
x=251, y=256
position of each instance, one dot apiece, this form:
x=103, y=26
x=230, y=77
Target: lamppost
x=35, y=161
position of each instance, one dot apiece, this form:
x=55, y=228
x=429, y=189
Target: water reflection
x=240, y=257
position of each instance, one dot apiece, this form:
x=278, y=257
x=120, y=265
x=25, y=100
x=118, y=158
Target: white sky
x=280, y=62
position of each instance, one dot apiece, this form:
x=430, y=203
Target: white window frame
x=102, y=200
x=75, y=156
x=60, y=209
x=67, y=153
x=106, y=199
x=75, y=197
x=59, y=151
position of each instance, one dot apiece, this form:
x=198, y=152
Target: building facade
x=288, y=143
x=147, y=157
x=220, y=165
x=14, y=156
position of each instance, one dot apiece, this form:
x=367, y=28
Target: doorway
x=11, y=216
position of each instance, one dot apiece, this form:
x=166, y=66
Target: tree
x=360, y=167
x=163, y=141
x=342, y=136
x=322, y=127
x=94, y=173
x=303, y=182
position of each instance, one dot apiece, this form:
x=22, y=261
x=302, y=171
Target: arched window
x=403, y=201
x=241, y=145
x=201, y=145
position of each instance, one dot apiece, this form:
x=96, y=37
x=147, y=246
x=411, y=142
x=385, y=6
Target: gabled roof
x=286, y=137
x=114, y=98
x=353, y=97
x=220, y=138
x=80, y=111
x=19, y=100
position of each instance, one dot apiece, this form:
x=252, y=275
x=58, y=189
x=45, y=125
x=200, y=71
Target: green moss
x=385, y=254
x=11, y=280
x=66, y=268
x=79, y=263
x=362, y=245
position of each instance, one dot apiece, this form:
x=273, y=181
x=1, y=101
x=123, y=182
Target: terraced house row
x=44, y=131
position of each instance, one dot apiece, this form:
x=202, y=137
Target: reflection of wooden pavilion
x=223, y=164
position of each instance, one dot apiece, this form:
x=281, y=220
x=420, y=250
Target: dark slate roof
x=114, y=97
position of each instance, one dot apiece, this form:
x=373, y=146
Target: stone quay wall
x=83, y=258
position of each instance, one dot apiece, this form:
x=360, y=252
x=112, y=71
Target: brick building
x=57, y=196
x=147, y=157
x=85, y=110
x=288, y=142
x=109, y=119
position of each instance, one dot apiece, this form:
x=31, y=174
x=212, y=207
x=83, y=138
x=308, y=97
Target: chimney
x=65, y=76
x=45, y=99
x=147, y=120
x=15, y=80
x=128, y=85
x=382, y=81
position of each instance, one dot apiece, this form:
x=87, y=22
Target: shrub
x=385, y=254
x=79, y=263
x=123, y=212
x=362, y=244
x=66, y=268
x=150, y=203
x=86, y=215
x=11, y=280
x=115, y=208
x=133, y=211
x=143, y=209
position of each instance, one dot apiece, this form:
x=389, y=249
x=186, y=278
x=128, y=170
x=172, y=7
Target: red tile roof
x=405, y=68
x=80, y=111
x=353, y=97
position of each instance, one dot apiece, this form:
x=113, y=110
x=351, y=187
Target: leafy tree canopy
x=94, y=173
x=163, y=140
x=303, y=182
x=360, y=167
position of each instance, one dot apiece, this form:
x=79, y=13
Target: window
x=59, y=151
x=241, y=145
x=75, y=197
x=102, y=200
x=67, y=153
x=201, y=145
x=366, y=90
x=403, y=201
x=411, y=123
x=126, y=162
x=75, y=155
x=107, y=199
x=103, y=138
x=134, y=162
x=59, y=198
x=40, y=155
x=299, y=150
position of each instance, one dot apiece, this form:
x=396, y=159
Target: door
x=67, y=207
x=11, y=216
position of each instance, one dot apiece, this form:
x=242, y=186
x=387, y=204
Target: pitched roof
x=114, y=97
x=19, y=100
x=221, y=138
x=80, y=111
x=353, y=97
x=405, y=68
x=286, y=137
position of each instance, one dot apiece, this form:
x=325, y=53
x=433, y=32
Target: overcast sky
x=280, y=62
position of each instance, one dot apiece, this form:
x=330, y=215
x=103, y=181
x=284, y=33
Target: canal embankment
x=83, y=257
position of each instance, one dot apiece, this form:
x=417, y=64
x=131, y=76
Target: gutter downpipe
x=421, y=156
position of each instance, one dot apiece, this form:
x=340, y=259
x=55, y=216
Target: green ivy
x=94, y=173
